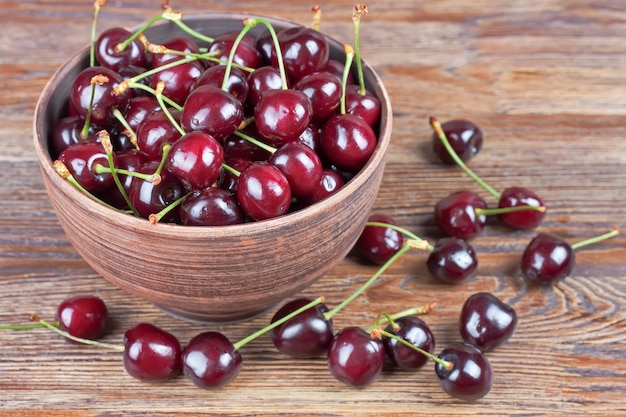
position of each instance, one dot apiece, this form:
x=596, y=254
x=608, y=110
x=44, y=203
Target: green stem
x=402, y=230
x=344, y=77
x=26, y=326
x=123, y=45
x=182, y=25
x=101, y=169
x=120, y=118
x=277, y=323
x=446, y=364
x=166, y=99
x=231, y=170
x=105, y=139
x=391, y=318
x=256, y=142
x=77, y=339
x=85, y=131
x=503, y=210
x=444, y=140
x=249, y=24
x=279, y=53
x=359, y=10
x=158, y=94
x=156, y=217
x=92, y=51
x=596, y=239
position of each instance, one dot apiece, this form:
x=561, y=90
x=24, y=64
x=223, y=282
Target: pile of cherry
x=179, y=132
x=216, y=131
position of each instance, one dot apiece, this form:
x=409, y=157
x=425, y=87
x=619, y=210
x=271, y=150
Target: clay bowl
x=210, y=273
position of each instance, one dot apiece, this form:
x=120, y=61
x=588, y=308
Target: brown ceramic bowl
x=210, y=273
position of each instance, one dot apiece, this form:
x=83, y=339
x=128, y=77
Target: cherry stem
x=405, y=232
x=613, y=232
x=503, y=210
x=317, y=17
x=96, y=11
x=65, y=334
x=231, y=170
x=279, y=54
x=446, y=364
x=248, y=24
x=444, y=140
x=85, y=130
x=331, y=313
x=123, y=45
x=158, y=94
x=277, y=323
x=358, y=11
x=105, y=139
x=344, y=77
x=120, y=118
x=26, y=326
x=154, y=218
x=185, y=28
x=256, y=142
x=101, y=169
x=391, y=318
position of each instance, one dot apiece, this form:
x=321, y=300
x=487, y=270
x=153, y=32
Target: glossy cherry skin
x=324, y=90
x=300, y=165
x=211, y=207
x=465, y=138
x=67, y=132
x=151, y=354
x=519, y=196
x=236, y=85
x=415, y=331
x=547, y=259
x=104, y=100
x=486, y=321
x=109, y=56
x=456, y=214
x=329, y=184
x=179, y=80
x=129, y=160
x=259, y=81
x=347, y=141
x=81, y=159
x=155, y=132
x=83, y=316
x=196, y=159
x=210, y=360
x=238, y=147
x=367, y=106
x=149, y=198
x=336, y=68
x=139, y=109
x=229, y=181
x=182, y=44
x=306, y=335
x=211, y=110
x=247, y=53
x=472, y=375
x=263, y=191
x=452, y=260
x=354, y=357
x=282, y=115
x=378, y=244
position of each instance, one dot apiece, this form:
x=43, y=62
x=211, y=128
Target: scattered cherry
x=486, y=321
x=83, y=316
x=452, y=260
x=465, y=138
x=379, y=244
x=151, y=354
x=471, y=374
x=354, y=357
x=415, y=331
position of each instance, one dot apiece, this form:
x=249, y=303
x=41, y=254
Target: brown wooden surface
x=546, y=81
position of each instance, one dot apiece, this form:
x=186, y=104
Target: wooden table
x=545, y=80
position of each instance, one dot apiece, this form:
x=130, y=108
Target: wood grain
x=545, y=80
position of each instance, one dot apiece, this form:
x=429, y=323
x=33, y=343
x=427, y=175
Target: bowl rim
x=202, y=232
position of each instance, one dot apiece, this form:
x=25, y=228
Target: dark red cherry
x=82, y=160
x=471, y=376
x=238, y=147
x=347, y=141
x=486, y=322
x=228, y=181
x=236, y=85
x=306, y=335
x=83, y=316
x=151, y=354
x=149, y=198
x=415, y=331
x=336, y=68
x=547, y=259
x=259, y=81
x=263, y=191
x=247, y=53
x=210, y=360
x=311, y=138
x=300, y=165
x=378, y=244
x=179, y=80
x=519, y=196
x=452, y=260
x=324, y=90
x=282, y=115
x=366, y=105
x=196, y=159
x=456, y=214
x=155, y=132
x=181, y=44
x=104, y=99
x=354, y=357
x=465, y=138
x=108, y=54
x=211, y=110
x=305, y=51
x=211, y=207
x=329, y=184
x=139, y=109
x=66, y=132
x=129, y=160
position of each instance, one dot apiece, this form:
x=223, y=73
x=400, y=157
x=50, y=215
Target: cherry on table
x=210, y=360
x=151, y=354
x=415, y=331
x=456, y=214
x=83, y=316
x=378, y=244
x=520, y=196
x=486, y=321
x=452, y=260
x=471, y=374
x=354, y=357
x=465, y=138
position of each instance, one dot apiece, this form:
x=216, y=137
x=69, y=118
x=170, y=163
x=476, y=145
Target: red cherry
x=366, y=105
x=526, y=219
x=378, y=244
x=471, y=376
x=82, y=159
x=354, y=357
x=151, y=354
x=210, y=360
x=211, y=207
x=83, y=316
x=282, y=115
x=348, y=141
x=452, y=260
x=300, y=165
x=109, y=56
x=456, y=214
x=196, y=159
x=263, y=191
